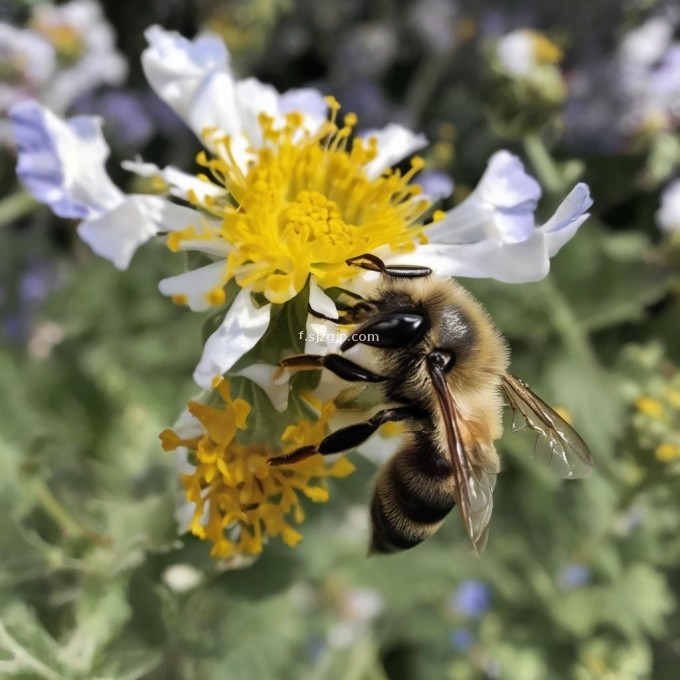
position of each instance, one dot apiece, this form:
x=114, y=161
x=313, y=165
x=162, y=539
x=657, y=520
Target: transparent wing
x=565, y=452
x=473, y=486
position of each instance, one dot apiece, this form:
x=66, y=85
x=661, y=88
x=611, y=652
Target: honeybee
x=443, y=367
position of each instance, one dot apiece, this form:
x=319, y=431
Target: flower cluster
x=655, y=396
x=238, y=500
x=286, y=190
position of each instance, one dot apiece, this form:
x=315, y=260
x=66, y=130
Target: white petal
x=435, y=185
x=517, y=53
x=252, y=99
x=320, y=302
x=63, y=163
x=117, y=233
x=395, y=142
x=273, y=380
x=508, y=262
x=502, y=206
x=668, y=215
x=322, y=336
x=568, y=217
x=180, y=183
x=195, y=285
x=176, y=67
x=506, y=184
x=242, y=328
x=306, y=100
x=648, y=43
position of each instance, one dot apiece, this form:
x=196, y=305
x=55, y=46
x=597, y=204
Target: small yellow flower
x=239, y=500
x=667, y=452
x=650, y=407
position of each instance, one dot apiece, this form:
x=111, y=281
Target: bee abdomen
x=413, y=495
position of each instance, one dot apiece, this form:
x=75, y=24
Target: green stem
x=568, y=325
x=69, y=525
x=16, y=205
x=424, y=83
x=543, y=163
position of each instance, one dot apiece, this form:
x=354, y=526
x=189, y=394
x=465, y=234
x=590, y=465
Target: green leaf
x=101, y=611
x=25, y=645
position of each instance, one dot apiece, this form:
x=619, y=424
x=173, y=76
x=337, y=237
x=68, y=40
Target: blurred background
x=579, y=579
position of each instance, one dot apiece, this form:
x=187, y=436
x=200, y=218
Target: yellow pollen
x=180, y=299
x=305, y=203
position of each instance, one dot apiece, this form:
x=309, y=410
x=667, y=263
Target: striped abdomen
x=413, y=495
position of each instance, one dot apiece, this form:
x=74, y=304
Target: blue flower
x=573, y=576
x=472, y=598
x=462, y=639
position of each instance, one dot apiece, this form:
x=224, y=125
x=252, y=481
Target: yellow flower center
x=305, y=204
x=239, y=500
x=545, y=50
x=66, y=40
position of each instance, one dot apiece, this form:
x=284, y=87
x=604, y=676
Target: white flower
x=66, y=50
x=648, y=65
x=85, y=44
x=27, y=62
x=284, y=201
x=668, y=215
x=523, y=50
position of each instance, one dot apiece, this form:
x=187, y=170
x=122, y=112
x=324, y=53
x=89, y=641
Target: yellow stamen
x=180, y=299
x=304, y=204
x=239, y=500
x=216, y=296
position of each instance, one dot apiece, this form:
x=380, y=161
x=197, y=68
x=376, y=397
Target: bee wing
x=566, y=454
x=473, y=486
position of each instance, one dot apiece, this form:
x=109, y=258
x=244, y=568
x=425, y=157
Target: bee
x=442, y=365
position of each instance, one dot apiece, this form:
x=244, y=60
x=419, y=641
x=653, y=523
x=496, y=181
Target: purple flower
x=472, y=598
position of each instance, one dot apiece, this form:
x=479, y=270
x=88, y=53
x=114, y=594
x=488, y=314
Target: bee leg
x=375, y=264
x=388, y=331
x=348, y=437
x=343, y=368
